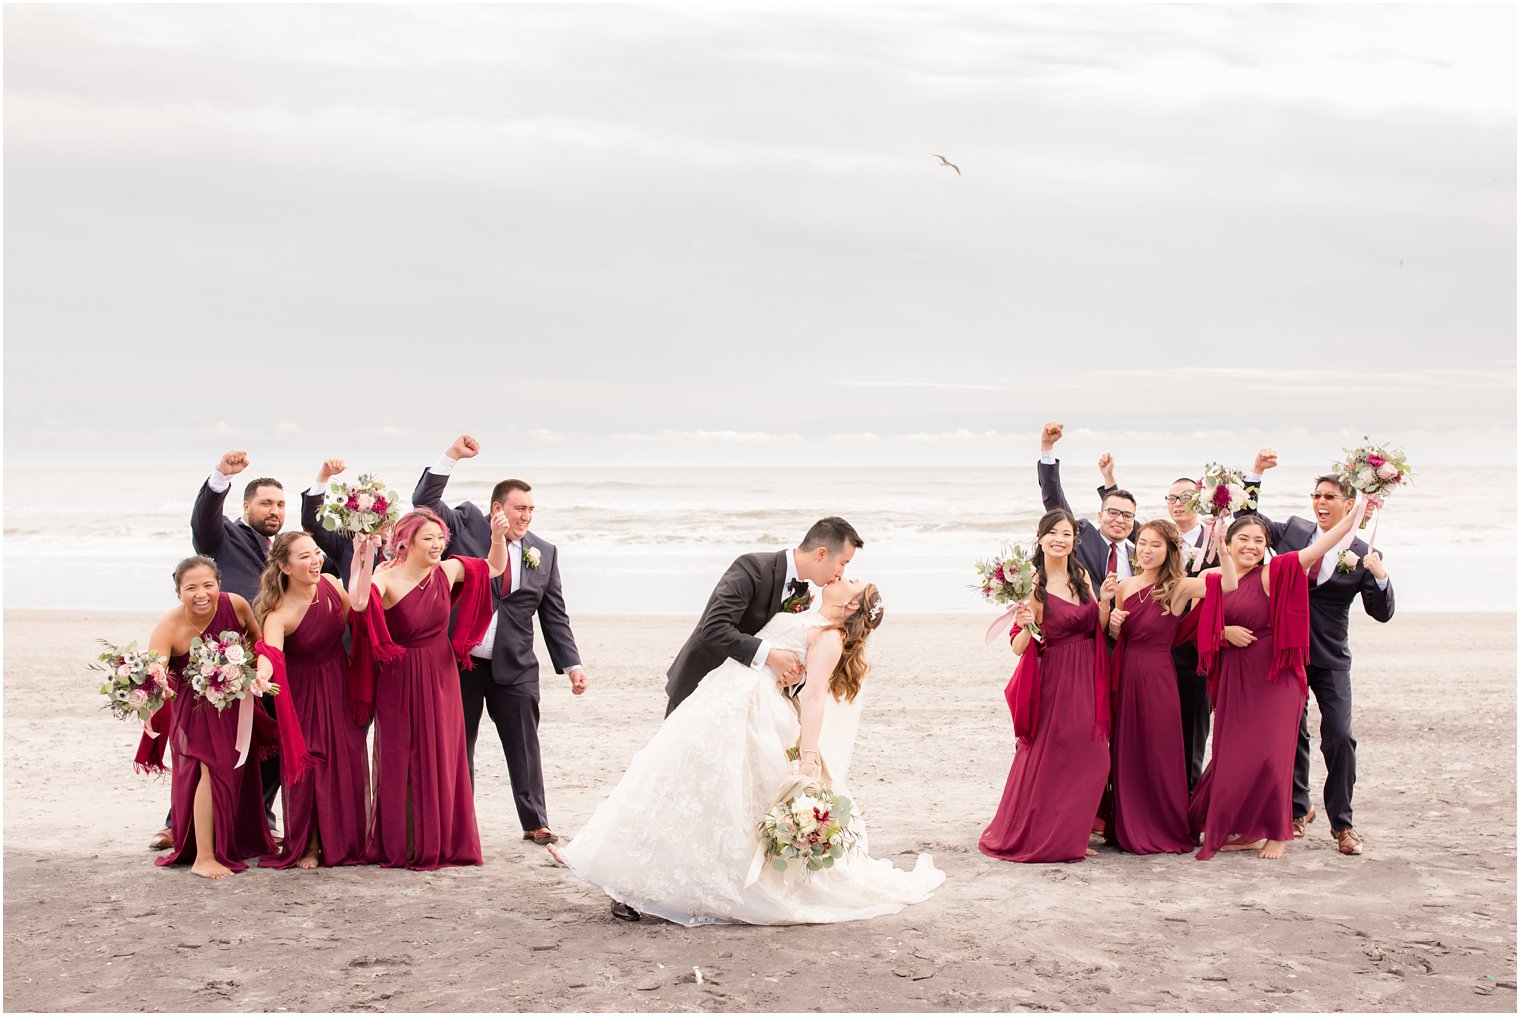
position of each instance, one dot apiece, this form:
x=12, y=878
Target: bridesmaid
x=304, y=615
x=406, y=670
x=1253, y=642
x=1150, y=786
x=1060, y=702
x=217, y=811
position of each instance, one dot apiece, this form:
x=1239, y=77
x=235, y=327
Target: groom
x=755, y=588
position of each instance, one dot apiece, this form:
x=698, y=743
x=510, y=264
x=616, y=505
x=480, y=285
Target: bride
x=679, y=835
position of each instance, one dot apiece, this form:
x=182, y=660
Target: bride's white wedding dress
x=677, y=837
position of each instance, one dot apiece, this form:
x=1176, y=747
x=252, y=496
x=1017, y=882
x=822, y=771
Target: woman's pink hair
x=406, y=528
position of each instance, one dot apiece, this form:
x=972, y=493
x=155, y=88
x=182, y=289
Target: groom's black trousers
x=515, y=714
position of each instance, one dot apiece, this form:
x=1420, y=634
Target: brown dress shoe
x=1300, y=825
x=162, y=840
x=543, y=837
x=1348, y=841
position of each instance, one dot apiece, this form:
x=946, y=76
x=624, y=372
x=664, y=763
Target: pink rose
x=231, y=673
x=124, y=670
x=366, y=502
x=235, y=653
x=208, y=670
x=137, y=698
x=1386, y=471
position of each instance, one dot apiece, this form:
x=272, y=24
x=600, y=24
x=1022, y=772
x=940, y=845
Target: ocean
x=653, y=540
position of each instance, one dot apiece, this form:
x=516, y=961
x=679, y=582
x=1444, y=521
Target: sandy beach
x=1425, y=920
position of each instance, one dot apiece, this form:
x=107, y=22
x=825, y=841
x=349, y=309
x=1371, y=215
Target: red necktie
x=1113, y=559
x=506, y=576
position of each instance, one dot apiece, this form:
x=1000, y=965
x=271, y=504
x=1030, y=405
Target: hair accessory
x=876, y=609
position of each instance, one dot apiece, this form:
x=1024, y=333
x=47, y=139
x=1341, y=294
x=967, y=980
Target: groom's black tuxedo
x=748, y=595
x=507, y=684
x=1329, y=669
x=237, y=550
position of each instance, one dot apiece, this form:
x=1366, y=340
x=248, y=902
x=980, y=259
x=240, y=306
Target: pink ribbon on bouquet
x=1004, y=622
x=1356, y=520
x=245, y=729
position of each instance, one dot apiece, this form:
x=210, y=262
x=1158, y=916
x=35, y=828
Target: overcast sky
x=714, y=234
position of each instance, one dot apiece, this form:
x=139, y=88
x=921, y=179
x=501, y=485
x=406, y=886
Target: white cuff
x=444, y=466
x=1253, y=477
x=573, y=668
x=317, y=490
x=1048, y=458
x=1382, y=584
x=218, y=481
x=760, y=654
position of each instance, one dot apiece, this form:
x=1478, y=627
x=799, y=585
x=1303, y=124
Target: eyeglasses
x=1176, y=498
x=1317, y=496
x=1114, y=513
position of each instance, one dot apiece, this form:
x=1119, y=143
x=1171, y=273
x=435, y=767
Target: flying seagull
x=946, y=162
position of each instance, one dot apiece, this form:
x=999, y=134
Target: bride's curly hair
x=855, y=628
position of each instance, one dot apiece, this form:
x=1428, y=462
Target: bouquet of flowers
x=360, y=508
x=811, y=826
x=1008, y=581
x=222, y=671
x=1221, y=492
x=137, y=682
x=1375, y=471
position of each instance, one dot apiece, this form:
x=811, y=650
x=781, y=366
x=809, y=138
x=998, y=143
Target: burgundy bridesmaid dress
x=1246, y=792
x=1150, y=771
x=1058, y=776
x=199, y=734
x=419, y=741
x=336, y=789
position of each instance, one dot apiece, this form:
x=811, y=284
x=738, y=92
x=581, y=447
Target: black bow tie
x=797, y=587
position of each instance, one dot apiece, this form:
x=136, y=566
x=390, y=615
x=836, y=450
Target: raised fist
x=1265, y=460
x=1049, y=435
x=464, y=447
x=232, y=463
x=1106, y=467
x=330, y=468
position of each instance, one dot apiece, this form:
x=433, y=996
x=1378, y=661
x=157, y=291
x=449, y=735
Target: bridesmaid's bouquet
x=1008, y=581
x=812, y=826
x=222, y=671
x=1220, y=492
x=361, y=508
x=137, y=682
x=1373, y=470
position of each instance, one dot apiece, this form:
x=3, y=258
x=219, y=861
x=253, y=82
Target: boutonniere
x=797, y=603
x=532, y=558
x=1346, y=562
x=1190, y=556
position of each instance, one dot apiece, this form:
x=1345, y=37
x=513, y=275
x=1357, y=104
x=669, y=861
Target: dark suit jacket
x=1092, y=548
x=1330, y=603
x=237, y=549
x=748, y=595
x=513, y=662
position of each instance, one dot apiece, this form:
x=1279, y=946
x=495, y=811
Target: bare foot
x=209, y=867
x=1254, y=845
x=558, y=857
x=1272, y=850
x=1090, y=853
x=308, y=859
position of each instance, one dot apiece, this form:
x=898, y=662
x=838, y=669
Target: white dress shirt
x=765, y=644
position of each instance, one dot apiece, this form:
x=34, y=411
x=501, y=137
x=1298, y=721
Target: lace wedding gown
x=678, y=836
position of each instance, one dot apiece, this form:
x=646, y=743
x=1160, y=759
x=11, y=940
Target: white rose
x=235, y=654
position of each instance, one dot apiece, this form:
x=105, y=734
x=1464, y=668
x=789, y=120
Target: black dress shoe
x=623, y=912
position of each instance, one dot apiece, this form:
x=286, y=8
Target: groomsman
x=240, y=548
x=1332, y=588
x=505, y=678
x=1104, y=548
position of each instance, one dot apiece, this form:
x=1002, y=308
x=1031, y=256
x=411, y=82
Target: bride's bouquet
x=360, y=508
x=221, y=670
x=811, y=826
x=1008, y=581
x=137, y=682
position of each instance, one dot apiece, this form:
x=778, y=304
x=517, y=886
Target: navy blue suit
x=1329, y=669
x=507, y=686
